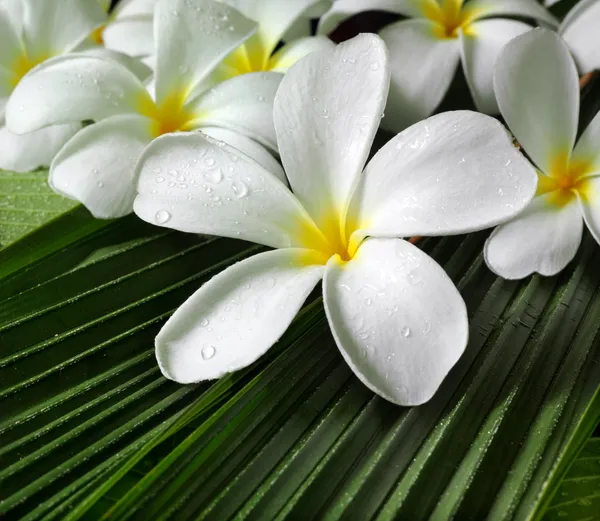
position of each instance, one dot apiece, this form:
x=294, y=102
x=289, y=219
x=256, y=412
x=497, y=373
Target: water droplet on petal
x=368, y=302
x=405, y=331
x=204, y=322
x=162, y=216
x=208, y=352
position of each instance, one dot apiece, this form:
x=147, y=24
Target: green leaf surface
x=27, y=202
x=578, y=497
x=90, y=428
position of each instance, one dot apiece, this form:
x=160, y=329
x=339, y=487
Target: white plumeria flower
x=128, y=28
x=538, y=91
x=32, y=31
x=397, y=318
x=274, y=18
x=580, y=31
x=97, y=166
x=425, y=49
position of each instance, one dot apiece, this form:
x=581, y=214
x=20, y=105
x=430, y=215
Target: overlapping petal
x=289, y=54
x=192, y=38
x=192, y=183
x=453, y=173
x=97, y=166
x=543, y=239
x=397, y=319
x=23, y=153
x=537, y=89
x=589, y=202
x=243, y=103
x=422, y=67
x=237, y=316
x=587, y=149
x=479, y=53
x=325, y=133
x=580, y=31
x=71, y=88
x=522, y=8
x=10, y=51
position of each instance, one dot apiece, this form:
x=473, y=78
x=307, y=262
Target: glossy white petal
x=479, y=54
x=53, y=27
x=524, y=8
x=550, y=3
x=248, y=147
x=289, y=54
x=243, y=104
x=190, y=183
x=192, y=38
x=73, y=88
x=455, y=172
x=590, y=206
x=537, y=89
x=236, y=317
x=132, y=8
x=422, y=67
x=580, y=31
x=274, y=17
x=97, y=166
x=134, y=36
x=14, y=8
x=139, y=69
x=543, y=239
x=587, y=148
x=26, y=152
x=344, y=9
x=397, y=319
x=324, y=131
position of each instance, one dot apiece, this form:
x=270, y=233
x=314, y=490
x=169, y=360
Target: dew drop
x=368, y=302
x=374, y=66
x=160, y=179
x=405, y=331
x=240, y=189
x=208, y=352
x=99, y=184
x=204, y=322
x=209, y=161
x=162, y=216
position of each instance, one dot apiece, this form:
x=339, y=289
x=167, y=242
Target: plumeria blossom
x=128, y=28
x=275, y=18
x=97, y=166
x=31, y=32
x=395, y=315
x=426, y=48
x=538, y=91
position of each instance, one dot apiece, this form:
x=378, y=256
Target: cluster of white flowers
x=180, y=110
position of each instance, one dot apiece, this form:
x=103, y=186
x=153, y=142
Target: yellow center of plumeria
x=170, y=115
x=251, y=56
x=22, y=65
x=97, y=35
x=450, y=17
x=566, y=178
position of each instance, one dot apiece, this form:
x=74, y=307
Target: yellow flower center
x=449, y=17
x=23, y=64
x=566, y=178
x=170, y=115
x=97, y=35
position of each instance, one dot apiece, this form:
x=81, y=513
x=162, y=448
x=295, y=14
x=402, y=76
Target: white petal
x=191, y=183
x=139, y=69
x=344, y=9
x=53, y=27
x=73, y=88
x=292, y=52
x=550, y=3
x=479, y=53
x=580, y=31
x=97, y=166
x=537, y=89
x=248, y=147
x=397, y=318
x=134, y=36
x=192, y=38
x=524, y=8
x=273, y=16
x=455, y=172
x=587, y=148
x=422, y=67
x=23, y=153
x=14, y=8
x=324, y=131
x=10, y=50
x=590, y=206
x=543, y=239
x=237, y=316
x=243, y=104
x=132, y=8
